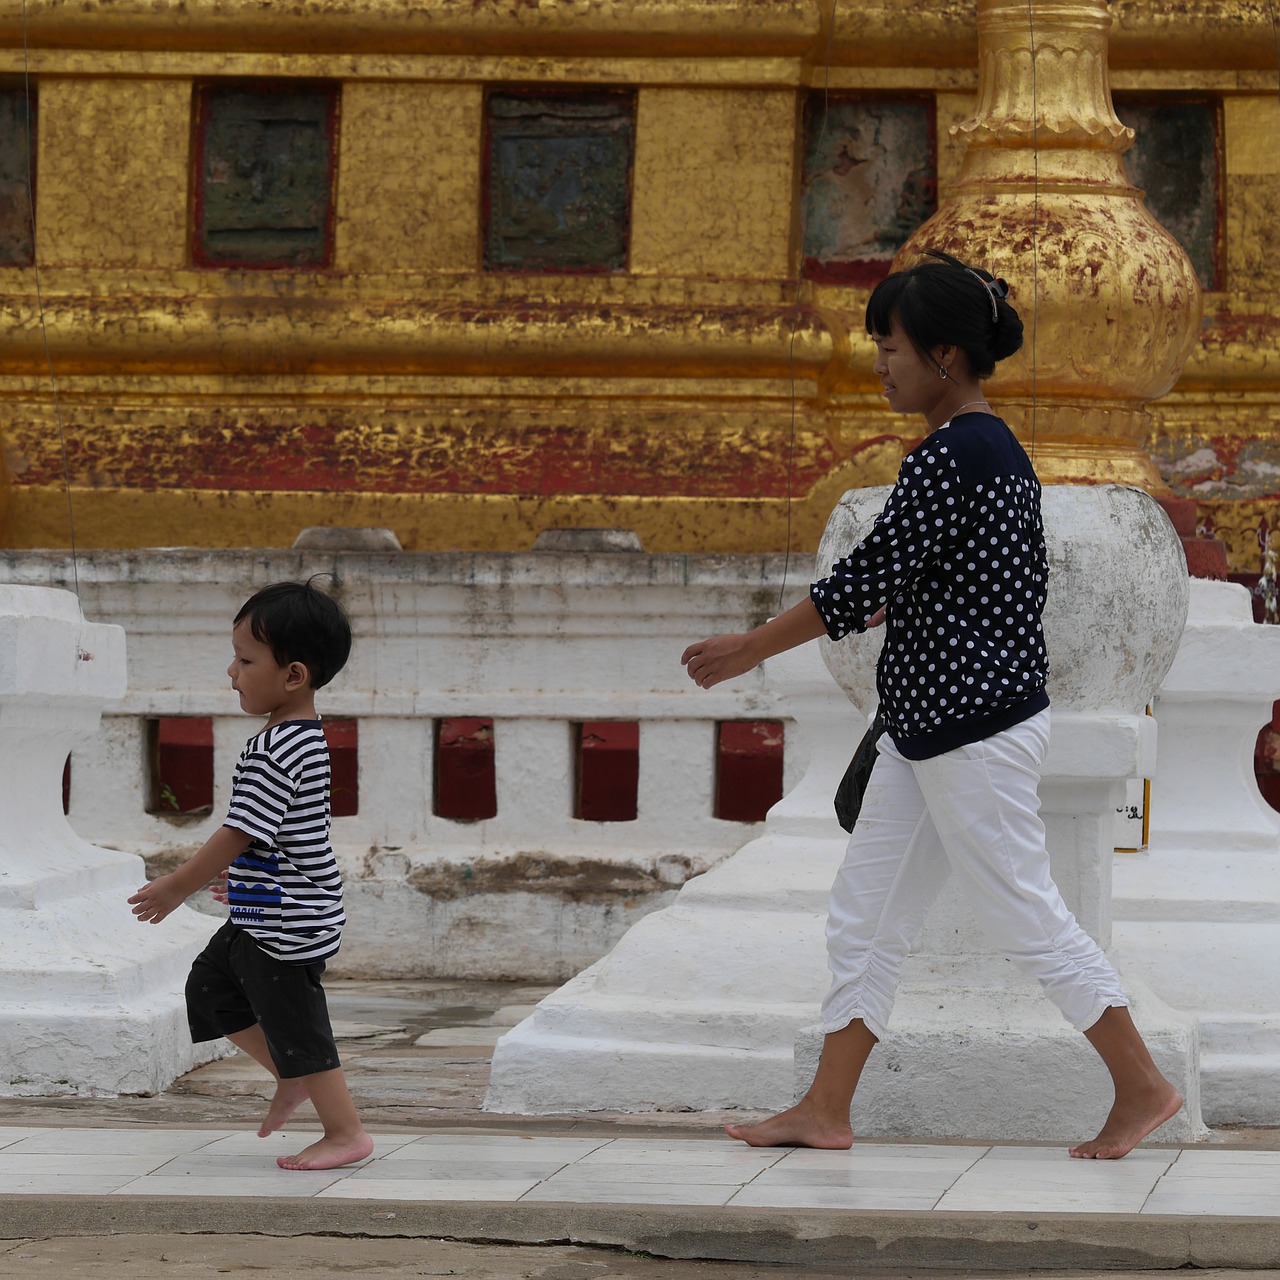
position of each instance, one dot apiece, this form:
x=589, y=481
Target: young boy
x=258, y=980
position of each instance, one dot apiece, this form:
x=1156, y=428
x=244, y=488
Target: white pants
x=973, y=813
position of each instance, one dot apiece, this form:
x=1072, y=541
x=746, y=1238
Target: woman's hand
x=720, y=658
x=877, y=618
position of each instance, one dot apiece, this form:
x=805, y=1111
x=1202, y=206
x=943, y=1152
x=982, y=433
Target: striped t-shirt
x=285, y=889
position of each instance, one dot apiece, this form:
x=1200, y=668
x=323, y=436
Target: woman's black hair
x=300, y=623
x=943, y=302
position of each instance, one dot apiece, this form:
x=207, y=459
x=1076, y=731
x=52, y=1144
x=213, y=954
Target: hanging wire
x=1035, y=222
x=1275, y=39
x=795, y=303
x=44, y=328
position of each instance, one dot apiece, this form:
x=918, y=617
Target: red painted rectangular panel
x=749, y=757
x=608, y=773
x=181, y=750
x=466, y=787
x=343, y=737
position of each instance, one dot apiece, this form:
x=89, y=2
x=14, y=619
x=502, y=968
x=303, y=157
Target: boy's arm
x=165, y=894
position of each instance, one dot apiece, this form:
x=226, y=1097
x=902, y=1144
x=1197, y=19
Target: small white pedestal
x=90, y=1000
x=1197, y=914
x=697, y=1008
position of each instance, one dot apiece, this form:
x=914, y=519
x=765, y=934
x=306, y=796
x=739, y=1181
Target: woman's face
x=911, y=381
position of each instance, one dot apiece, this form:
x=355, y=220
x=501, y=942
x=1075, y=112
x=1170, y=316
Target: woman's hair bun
x=942, y=301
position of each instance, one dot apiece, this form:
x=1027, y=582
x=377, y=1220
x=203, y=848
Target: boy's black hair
x=303, y=624
x=943, y=302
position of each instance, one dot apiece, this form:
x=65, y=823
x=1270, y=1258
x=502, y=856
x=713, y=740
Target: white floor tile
x=284, y=1143
x=711, y=1146
x=60, y=1184
x=8, y=1136
x=92, y=1165
x=510, y=1169
x=700, y=1154
x=629, y=1193
x=236, y=1165
x=284, y=1183
x=1108, y=1177
x=504, y=1189
x=958, y=1152
x=928, y=1179
x=1259, y=1164
x=1221, y=1182
x=583, y=1174
x=246, y=1142
x=1061, y=1156
x=1240, y=1205
x=477, y=1147
x=1042, y=1200
x=828, y=1197
x=95, y=1142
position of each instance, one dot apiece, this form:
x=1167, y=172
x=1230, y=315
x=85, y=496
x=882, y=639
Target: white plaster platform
x=510, y=1168
x=697, y=1007
x=704, y=1004
x=1197, y=915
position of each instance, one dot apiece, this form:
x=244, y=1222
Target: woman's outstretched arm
x=710, y=661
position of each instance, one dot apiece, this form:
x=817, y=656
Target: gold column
x=1109, y=299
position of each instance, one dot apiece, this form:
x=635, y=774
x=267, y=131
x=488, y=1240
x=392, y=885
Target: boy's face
x=262, y=683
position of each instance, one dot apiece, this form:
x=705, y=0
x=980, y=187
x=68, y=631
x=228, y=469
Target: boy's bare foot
x=1127, y=1125
x=289, y=1095
x=798, y=1126
x=330, y=1153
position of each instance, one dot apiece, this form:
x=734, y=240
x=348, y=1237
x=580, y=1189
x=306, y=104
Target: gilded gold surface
x=1109, y=300
x=713, y=182
x=112, y=173
x=146, y=518
x=1241, y=524
x=428, y=26
x=1179, y=34
x=409, y=171
x=691, y=398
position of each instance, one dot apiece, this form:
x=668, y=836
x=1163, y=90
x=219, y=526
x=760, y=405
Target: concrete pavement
x=672, y=1186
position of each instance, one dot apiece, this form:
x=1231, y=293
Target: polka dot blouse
x=958, y=555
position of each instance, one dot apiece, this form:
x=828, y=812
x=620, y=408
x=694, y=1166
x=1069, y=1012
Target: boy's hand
x=157, y=899
x=218, y=887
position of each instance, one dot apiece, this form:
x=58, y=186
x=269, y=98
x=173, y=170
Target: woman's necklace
x=972, y=403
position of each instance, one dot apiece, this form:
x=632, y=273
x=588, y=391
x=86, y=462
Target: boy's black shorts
x=234, y=983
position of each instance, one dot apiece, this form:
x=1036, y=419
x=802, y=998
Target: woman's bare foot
x=289, y=1095
x=330, y=1153
x=1127, y=1125
x=798, y=1126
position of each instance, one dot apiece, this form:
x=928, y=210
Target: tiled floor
x=456, y=1165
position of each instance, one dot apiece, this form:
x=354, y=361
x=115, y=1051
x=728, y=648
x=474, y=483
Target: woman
x=955, y=569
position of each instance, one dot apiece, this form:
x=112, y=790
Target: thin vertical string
x=1035, y=222
x=1275, y=39
x=44, y=328
x=795, y=301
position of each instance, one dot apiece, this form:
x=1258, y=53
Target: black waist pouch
x=849, y=793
